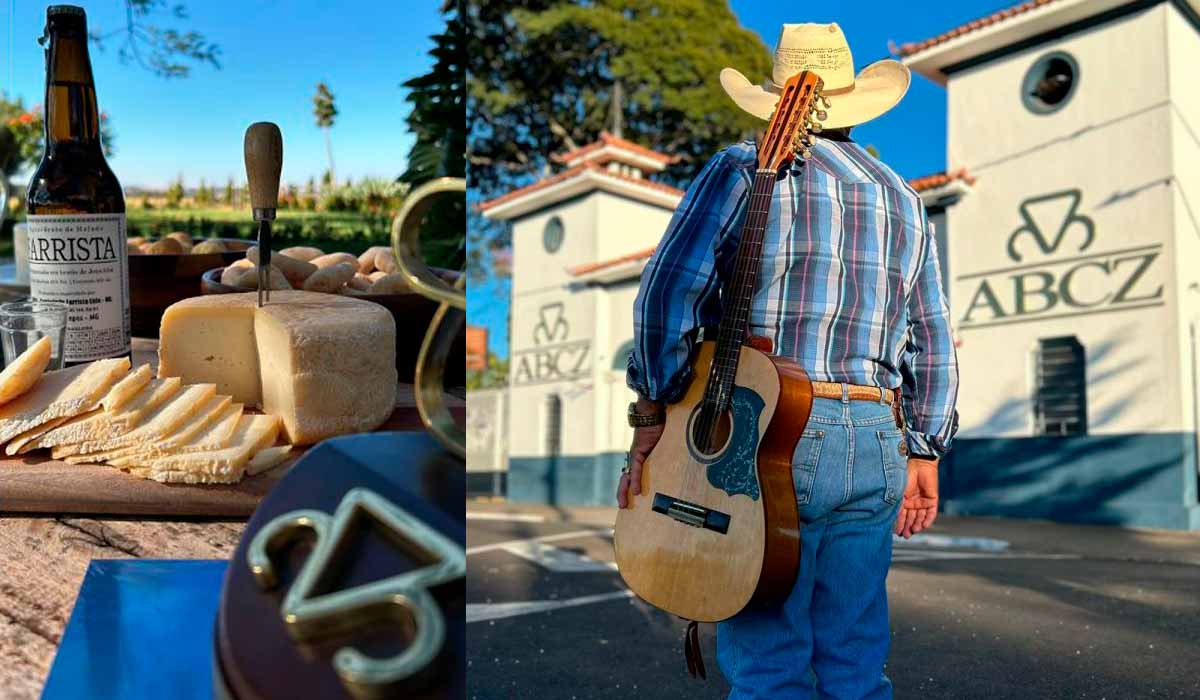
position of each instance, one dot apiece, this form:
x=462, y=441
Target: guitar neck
x=739, y=292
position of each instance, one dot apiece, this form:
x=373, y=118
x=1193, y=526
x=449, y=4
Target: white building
x=1072, y=266
x=1073, y=263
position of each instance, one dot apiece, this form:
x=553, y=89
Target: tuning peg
x=822, y=115
x=806, y=154
x=816, y=128
x=825, y=101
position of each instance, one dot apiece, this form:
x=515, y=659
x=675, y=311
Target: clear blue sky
x=273, y=52
x=911, y=137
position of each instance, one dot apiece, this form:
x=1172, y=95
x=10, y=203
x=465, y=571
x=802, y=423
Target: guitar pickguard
x=735, y=470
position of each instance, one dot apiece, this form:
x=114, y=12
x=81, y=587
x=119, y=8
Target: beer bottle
x=76, y=209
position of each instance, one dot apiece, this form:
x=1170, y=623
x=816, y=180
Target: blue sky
x=273, y=52
x=911, y=137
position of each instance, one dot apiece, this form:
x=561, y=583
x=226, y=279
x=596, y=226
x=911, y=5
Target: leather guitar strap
x=691, y=651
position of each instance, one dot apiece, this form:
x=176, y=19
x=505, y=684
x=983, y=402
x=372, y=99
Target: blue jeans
x=830, y=637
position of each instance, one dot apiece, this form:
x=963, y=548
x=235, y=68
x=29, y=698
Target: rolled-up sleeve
x=930, y=363
x=679, y=292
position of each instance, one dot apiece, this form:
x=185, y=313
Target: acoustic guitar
x=715, y=527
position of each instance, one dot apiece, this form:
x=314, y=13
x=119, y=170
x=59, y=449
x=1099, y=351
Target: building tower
x=580, y=239
x=1072, y=266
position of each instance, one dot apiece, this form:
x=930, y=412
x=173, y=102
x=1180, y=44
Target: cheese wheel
x=324, y=363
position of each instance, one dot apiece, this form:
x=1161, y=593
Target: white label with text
x=81, y=260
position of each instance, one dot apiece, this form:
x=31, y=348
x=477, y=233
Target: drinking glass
x=23, y=323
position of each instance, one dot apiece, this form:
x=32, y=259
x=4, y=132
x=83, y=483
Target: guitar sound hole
x=708, y=435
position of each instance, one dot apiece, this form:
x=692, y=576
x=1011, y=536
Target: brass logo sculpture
x=405, y=596
x=447, y=321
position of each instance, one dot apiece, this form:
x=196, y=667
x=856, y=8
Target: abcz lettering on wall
x=554, y=356
x=1058, y=274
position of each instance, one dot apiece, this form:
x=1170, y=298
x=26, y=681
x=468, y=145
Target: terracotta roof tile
x=929, y=182
x=602, y=264
x=607, y=139
x=570, y=173
x=917, y=46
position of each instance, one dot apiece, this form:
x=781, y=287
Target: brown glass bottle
x=77, y=250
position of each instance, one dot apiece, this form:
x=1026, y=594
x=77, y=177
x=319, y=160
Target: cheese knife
x=264, y=161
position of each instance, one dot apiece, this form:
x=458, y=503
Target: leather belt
x=833, y=390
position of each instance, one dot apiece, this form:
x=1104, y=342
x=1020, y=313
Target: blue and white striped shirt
x=849, y=287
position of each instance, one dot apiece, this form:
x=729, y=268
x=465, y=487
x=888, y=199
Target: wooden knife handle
x=264, y=161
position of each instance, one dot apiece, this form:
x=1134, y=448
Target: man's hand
x=919, y=508
x=644, y=440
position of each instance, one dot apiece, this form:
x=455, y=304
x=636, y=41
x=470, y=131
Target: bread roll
x=302, y=252
x=330, y=279
x=335, y=258
x=296, y=271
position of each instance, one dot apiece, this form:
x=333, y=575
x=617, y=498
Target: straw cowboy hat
x=822, y=48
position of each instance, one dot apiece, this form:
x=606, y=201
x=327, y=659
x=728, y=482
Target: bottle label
x=81, y=260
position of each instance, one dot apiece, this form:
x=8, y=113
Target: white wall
x=1183, y=56
x=625, y=226
x=1120, y=166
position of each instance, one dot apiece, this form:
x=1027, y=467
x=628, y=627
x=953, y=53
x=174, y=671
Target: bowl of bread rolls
x=162, y=271
x=373, y=276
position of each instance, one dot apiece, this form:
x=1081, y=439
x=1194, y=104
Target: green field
x=330, y=231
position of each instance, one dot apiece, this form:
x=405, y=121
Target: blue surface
x=140, y=629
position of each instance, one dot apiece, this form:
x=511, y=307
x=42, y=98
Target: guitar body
x=710, y=534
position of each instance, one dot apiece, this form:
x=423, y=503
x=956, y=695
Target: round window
x=1049, y=84
x=552, y=236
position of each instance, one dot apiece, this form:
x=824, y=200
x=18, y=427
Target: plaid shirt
x=849, y=288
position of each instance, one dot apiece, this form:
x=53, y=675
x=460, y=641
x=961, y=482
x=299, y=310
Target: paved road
x=982, y=608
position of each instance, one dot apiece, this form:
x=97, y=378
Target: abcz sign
x=1057, y=272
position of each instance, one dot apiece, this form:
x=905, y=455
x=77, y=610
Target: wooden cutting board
x=35, y=483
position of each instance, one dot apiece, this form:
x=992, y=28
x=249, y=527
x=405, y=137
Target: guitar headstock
x=796, y=116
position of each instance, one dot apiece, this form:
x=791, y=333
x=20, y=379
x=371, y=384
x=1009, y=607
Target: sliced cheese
x=254, y=433
x=214, y=436
x=267, y=458
x=106, y=425
x=193, y=425
x=14, y=446
x=128, y=388
x=61, y=394
x=323, y=363
x=155, y=393
x=161, y=423
x=24, y=371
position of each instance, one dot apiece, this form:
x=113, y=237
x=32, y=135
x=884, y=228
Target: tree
x=174, y=194
x=325, y=112
x=523, y=106
x=27, y=129
x=204, y=194
x=439, y=149
x=230, y=189
x=159, y=49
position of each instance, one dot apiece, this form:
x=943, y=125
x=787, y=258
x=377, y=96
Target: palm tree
x=325, y=112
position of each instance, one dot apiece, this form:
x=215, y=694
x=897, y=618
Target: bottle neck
x=71, y=113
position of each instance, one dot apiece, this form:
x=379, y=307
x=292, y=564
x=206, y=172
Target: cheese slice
x=214, y=436
x=14, y=446
x=23, y=372
x=159, y=424
x=128, y=388
x=254, y=433
x=60, y=394
x=104, y=425
x=267, y=458
x=155, y=393
x=323, y=363
x=193, y=425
